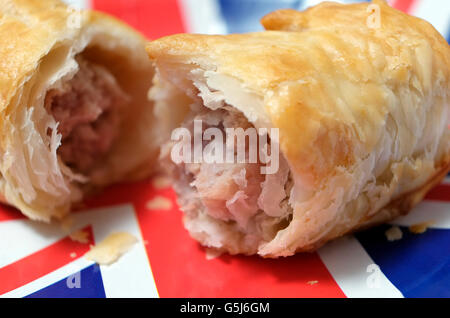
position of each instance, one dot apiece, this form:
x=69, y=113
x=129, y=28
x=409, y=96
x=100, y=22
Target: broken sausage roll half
x=74, y=105
x=361, y=111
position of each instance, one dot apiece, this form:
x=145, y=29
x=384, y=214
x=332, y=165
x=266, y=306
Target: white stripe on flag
x=437, y=12
x=20, y=238
x=202, y=16
x=309, y=3
x=358, y=277
x=131, y=275
x=47, y=280
x=428, y=211
x=79, y=4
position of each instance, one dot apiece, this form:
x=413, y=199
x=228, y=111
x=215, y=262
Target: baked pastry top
x=73, y=96
x=362, y=109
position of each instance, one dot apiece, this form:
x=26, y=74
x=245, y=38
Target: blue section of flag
x=418, y=264
x=86, y=284
x=448, y=37
x=244, y=15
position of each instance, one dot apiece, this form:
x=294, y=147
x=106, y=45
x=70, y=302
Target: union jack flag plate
x=38, y=260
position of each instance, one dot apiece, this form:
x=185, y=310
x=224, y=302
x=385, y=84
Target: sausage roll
x=358, y=96
x=74, y=108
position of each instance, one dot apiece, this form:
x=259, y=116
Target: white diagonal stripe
x=428, y=211
x=20, y=238
x=437, y=12
x=47, y=280
x=348, y=263
x=79, y=4
x=131, y=275
x=310, y=3
x=202, y=16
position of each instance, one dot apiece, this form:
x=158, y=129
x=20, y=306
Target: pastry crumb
x=313, y=282
x=81, y=236
x=159, y=203
x=161, y=182
x=66, y=223
x=420, y=227
x=212, y=253
x=394, y=234
x=111, y=248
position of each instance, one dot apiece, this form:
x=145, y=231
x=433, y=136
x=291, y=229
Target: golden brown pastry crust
x=30, y=29
x=362, y=111
x=398, y=207
x=274, y=59
x=38, y=42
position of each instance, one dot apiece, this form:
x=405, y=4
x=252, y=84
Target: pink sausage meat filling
x=231, y=192
x=87, y=109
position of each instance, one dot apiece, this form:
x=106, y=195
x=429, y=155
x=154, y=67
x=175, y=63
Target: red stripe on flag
x=154, y=18
x=42, y=262
x=225, y=276
x=403, y=5
x=8, y=213
x=196, y=276
x=439, y=193
x=118, y=194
